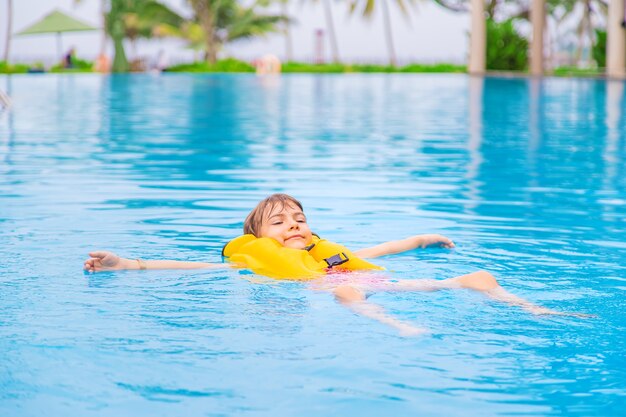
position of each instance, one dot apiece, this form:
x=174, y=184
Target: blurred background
x=388, y=33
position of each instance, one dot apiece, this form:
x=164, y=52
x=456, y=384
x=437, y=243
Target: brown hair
x=254, y=220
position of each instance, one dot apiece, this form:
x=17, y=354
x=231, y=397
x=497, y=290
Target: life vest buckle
x=338, y=259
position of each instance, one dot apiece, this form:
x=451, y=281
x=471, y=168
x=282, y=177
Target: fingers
x=92, y=265
x=445, y=242
x=448, y=244
x=440, y=241
x=89, y=265
x=99, y=254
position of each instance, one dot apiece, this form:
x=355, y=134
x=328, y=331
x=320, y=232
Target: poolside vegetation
x=578, y=33
x=233, y=65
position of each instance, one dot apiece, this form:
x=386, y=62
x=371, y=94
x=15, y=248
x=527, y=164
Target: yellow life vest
x=265, y=256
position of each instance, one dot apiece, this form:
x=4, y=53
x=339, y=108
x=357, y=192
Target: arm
x=108, y=261
x=397, y=246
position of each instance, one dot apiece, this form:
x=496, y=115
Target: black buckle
x=337, y=259
x=308, y=248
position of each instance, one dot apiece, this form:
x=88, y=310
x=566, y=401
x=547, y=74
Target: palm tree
x=286, y=31
x=132, y=19
x=205, y=12
x=143, y=21
x=328, y=12
x=594, y=12
x=368, y=10
x=7, y=46
x=223, y=21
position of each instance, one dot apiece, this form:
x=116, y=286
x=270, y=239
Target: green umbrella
x=56, y=22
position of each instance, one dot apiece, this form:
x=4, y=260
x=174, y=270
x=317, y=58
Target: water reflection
x=8, y=138
x=185, y=130
x=613, y=158
x=475, y=106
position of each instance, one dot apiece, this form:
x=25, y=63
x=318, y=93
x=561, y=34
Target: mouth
x=294, y=237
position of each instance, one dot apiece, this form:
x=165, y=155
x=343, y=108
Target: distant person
x=268, y=64
x=69, y=60
x=279, y=243
x=102, y=64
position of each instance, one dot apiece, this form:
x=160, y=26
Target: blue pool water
x=527, y=177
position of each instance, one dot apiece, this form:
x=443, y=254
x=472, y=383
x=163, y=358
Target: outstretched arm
x=397, y=246
x=108, y=261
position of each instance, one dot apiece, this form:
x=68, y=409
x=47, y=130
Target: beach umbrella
x=56, y=22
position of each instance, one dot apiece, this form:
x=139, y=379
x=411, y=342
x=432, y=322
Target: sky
x=431, y=34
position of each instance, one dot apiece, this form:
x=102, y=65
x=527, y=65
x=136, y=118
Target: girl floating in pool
x=278, y=243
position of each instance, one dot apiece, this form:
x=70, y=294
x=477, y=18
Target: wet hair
x=254, y=220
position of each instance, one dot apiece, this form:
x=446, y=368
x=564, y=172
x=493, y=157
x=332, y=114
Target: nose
x=294, y=225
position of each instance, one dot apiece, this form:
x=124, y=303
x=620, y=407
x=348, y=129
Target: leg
x=481, y=281
x=354, y=299
x=486, y=283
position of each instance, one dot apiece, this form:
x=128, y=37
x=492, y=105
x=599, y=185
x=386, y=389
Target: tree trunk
x=583, y=30
x=389, y=34
x=478, y=38
x=7, y=47
x=103, y=41
x=538, y=21
x=288, y=45
x=120, y=63
x=331, y=30
x=210, y=44
x=203, y=12
x=615, y=41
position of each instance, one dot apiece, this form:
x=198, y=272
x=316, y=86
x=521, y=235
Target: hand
x=435, y=240
x=103, y=261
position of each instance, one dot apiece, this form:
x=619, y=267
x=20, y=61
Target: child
x=278, y=239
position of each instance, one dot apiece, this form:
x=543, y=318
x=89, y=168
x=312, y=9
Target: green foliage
x=80, y=65
x=598, y=50
x=246, y=22
x=233, y=65
x=223, y=21
x=434, y=68
x=577, y=72
x=313, y=68
x=132, y=19
x=370, y=68
x=507, y=50
x=224, y=65
x=6, y=68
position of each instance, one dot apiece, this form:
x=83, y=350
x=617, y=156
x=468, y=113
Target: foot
x=406, y=330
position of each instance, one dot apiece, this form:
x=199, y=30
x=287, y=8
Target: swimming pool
x=527, y=177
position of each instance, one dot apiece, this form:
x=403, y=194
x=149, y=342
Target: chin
x=295, y=245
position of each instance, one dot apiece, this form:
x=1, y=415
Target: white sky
x=432, y=34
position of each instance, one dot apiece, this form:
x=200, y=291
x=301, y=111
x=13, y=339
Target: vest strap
x=338, y=259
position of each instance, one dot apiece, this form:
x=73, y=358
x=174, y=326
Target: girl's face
x=287, y=225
